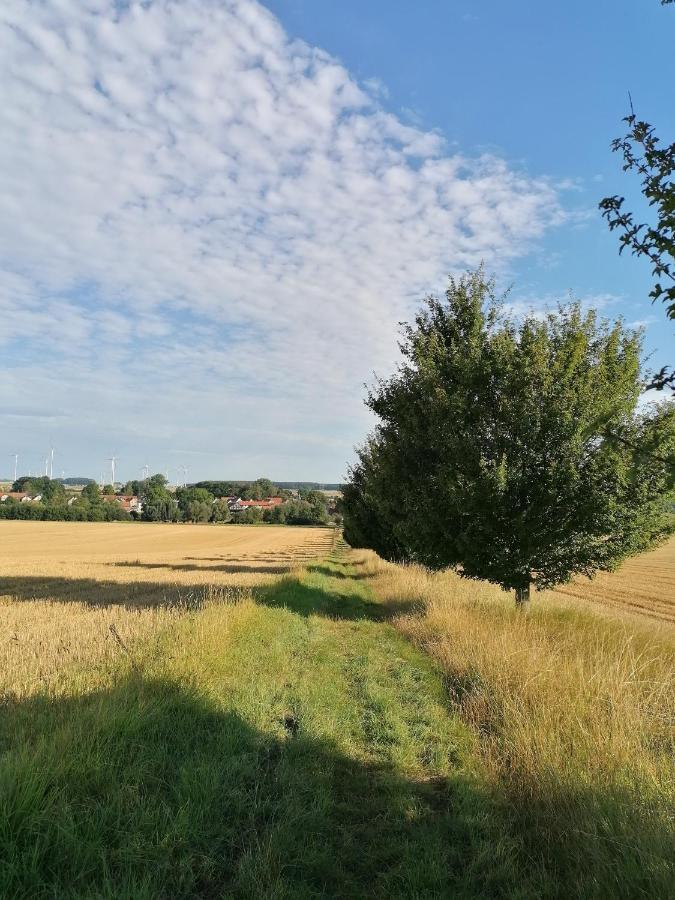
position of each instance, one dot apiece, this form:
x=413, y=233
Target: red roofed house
x=268, y=503
x=128, y=502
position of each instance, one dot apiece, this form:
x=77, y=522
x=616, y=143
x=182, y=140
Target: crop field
x=67, y=588
x=180, y=554
x=644, y=585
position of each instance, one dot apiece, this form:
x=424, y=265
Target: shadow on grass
x=344, y=570
x=331, y=599
x=337, y=570
x=149, y=790
x=308, y=600
x=276, y=557
x=227, y=568
x=326, y=600
x=95, y=593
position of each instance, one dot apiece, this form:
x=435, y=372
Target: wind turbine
x=112, y=459
x=16, y=464
x=145, y=472
x=51, y=463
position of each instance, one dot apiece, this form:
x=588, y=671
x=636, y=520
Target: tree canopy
x=39, y=484
x=159, y=504
x=219, y=488
x=247, y=490
x=258, y=489
x=195, y=504
x=512, y=451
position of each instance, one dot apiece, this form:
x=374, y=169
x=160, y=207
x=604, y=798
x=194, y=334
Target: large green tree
x=195, y=504
x=220, y=512
x=91, y=493
x=512, y=451
x=48, y=488
x=159, y=504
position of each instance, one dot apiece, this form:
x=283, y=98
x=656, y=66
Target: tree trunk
x=523, y=598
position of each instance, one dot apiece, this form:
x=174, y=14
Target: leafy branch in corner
x=655, y=164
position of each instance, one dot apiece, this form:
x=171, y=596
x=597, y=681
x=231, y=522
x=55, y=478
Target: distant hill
x=70, y=482
x=67, y=482
x=232, y=485
x=306, y=485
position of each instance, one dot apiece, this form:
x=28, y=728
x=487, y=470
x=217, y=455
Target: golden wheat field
x=644, y=585
x=76, y=594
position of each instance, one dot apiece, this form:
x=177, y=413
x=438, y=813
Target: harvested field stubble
x=644, y=585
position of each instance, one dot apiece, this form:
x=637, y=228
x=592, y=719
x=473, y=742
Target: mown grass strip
x=295, y=745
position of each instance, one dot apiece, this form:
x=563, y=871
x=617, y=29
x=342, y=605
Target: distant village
x=152, y=499
x=128, y=502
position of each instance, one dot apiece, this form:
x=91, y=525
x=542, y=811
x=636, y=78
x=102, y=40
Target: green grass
x=293, y=747
x=297, y=745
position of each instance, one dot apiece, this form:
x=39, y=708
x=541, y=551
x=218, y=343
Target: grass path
x=296, y=746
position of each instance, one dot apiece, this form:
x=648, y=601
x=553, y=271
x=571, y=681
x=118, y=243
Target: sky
x=215, y=213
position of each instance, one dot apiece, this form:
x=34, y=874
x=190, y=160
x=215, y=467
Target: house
x=236, y=504
x=267, y=503
x=20, y=497
x=129, y=502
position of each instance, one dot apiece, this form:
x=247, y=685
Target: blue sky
x=543, y=85
x=214, y=212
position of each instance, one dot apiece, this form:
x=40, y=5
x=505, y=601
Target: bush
x=250, y=516
x=301, y=512
x=275, y=516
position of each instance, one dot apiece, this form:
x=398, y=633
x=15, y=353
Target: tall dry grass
x=575, y=715
x=58, y=649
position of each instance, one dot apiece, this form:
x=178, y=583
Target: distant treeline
x=247, y=490
x=196, y=503
x=224, y=488
x=308, y=486
x=53, y=512
x=262, y=487
x=56, y=505
x=310, y=507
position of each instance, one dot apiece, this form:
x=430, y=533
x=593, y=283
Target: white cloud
x=193, y=201
x=518, y=305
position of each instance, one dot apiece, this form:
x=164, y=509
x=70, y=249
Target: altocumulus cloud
x=209, y=232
